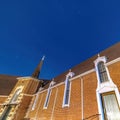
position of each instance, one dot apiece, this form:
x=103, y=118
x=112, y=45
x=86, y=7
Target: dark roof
x=42, y=83
x=111, y=53
x=7, y=83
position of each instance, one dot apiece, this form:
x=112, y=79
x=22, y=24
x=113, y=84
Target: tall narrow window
x=5, y=113
x=35, y=101
x=48, y=95
x=111, y=107
x=9, y=107
x=102, y=72
x=47, y=98
x=66, y=99
x=67, y=92
x=15, y=96
x=107, y=94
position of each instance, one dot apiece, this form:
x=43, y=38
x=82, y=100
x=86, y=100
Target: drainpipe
x=82, y=99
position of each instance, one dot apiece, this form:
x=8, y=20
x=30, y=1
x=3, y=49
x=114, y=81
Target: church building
x=87, y=91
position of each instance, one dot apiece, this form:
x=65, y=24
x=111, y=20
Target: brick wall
x=114, y=71
x=55, y=111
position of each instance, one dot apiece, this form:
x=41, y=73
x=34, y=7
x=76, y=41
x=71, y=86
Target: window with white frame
x=102, y=72
x=47, y=98
x=48, y=94
x=16, y=95
x=6, y=113
x=66, y=99
x=111, y=107
x=35, y=101
x=107, y=92
x=67, y=92
x=36, y=98
x=8, y=108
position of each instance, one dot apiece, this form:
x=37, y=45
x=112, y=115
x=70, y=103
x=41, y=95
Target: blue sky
x=67, y=32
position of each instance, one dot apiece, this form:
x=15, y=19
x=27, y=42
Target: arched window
x=15, y=96
x=9, y=107
x=107, y=93
x=66, y=99
x=102, y=72
x=67, y=92
x=48, y=94
x=5, y=113
x=47, y=98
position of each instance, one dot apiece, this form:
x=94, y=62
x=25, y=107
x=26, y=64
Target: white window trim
x=49, y=91
x=35, y=101
x=36, y=98
x=68, y=76
x=18, y=90
x=66, y=105
x=48, y=95
x=104, y=87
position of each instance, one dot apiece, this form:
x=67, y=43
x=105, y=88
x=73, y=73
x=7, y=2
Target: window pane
x=102, y=72
x=111, y=108
x=6, y=113
x=67, y=92
x=15, y=96
x=47, y=98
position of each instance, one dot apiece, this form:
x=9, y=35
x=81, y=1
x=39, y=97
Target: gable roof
x=7, y=83
x=111, y=53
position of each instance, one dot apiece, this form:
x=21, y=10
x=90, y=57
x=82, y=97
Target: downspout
x=82, y=100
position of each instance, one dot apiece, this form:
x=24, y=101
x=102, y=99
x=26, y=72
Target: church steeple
x=38, y=68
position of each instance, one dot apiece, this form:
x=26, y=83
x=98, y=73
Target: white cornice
x=3, y=96
x=80, y=75
x=24, y=77
x=28, y=78
x=27, y=95
x=113, y=61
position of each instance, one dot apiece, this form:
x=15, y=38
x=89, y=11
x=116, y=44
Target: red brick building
x=88, y=91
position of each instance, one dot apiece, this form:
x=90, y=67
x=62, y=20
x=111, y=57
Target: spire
x=98, y=55
x=38, y=68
